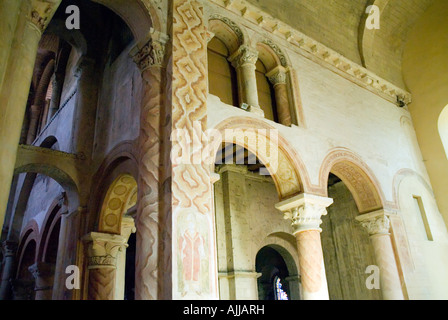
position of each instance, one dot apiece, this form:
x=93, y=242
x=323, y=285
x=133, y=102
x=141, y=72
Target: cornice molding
x=318, y=52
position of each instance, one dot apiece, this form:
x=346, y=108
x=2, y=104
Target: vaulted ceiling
x=340, y=25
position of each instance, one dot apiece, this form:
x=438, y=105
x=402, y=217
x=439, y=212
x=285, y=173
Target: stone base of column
x=253, y=109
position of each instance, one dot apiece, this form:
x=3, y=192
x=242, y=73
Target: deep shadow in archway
x=274, y=272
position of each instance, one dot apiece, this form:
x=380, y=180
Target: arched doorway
x=348, y=251
x=346, y=247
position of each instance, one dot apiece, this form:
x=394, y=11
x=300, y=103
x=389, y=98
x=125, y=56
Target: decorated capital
x=305, y=211
x=103, y=248
x=376, y=223
x=151, y=51
x=245, y=55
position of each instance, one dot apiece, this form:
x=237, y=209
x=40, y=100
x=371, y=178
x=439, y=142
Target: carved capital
x=376, y=223
x=277, y=76
x=127, y=227
x=151, y=51
x=41, y=12
x=305, y=211
x=103, y=248
x=245, y=55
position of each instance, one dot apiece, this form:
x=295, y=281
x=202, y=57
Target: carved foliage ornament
x=377, y=225
x=151, y=54
x=306, y=217
x=103, y=249
x=244, y=55
x=278, y=78
x=232, y=25
x=277, y=51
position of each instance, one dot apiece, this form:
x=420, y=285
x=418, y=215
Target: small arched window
x=266, y=95
x=221, y=75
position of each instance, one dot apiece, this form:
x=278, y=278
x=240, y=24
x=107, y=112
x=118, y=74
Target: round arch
x=52, y=217
x=356, y=175
x=57, y=174
x=139, y=15
x=282, y=162
x=227, y=31
x=285, y=245
x=402, y=175
x=271, y=55
x=121, y=195
x=121, y=161
x=29, y=237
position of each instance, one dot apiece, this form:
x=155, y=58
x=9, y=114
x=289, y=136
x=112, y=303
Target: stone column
x=9, y=253
x=244, y=60
x=9, y=13
x=33, y=18
x=378, y=225
x=43, y=274
x=305, y=212
x=149, y=56
x=193, y=260
x=102, y=251
x=127, y=227
x=278, y=78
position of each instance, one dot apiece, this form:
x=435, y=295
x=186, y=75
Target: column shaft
x=305, y=212
x=13, y=100
x=244, y=60
x=378, y=226
x=312, y=269
x=282, y=102
x=22, y=36
x=150, y=59
x=389, y=277
x=194, y=276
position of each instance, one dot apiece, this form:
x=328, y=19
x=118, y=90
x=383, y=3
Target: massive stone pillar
x=194, y=262
x=102, y=251
x=43, y=274
x=238, y=277
x=305, y=212
x=244, y=60
x=378, y=225
x=9, y=254
x=150, y=58
x=278, y=78
x=9, y=13
x=16, y=79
